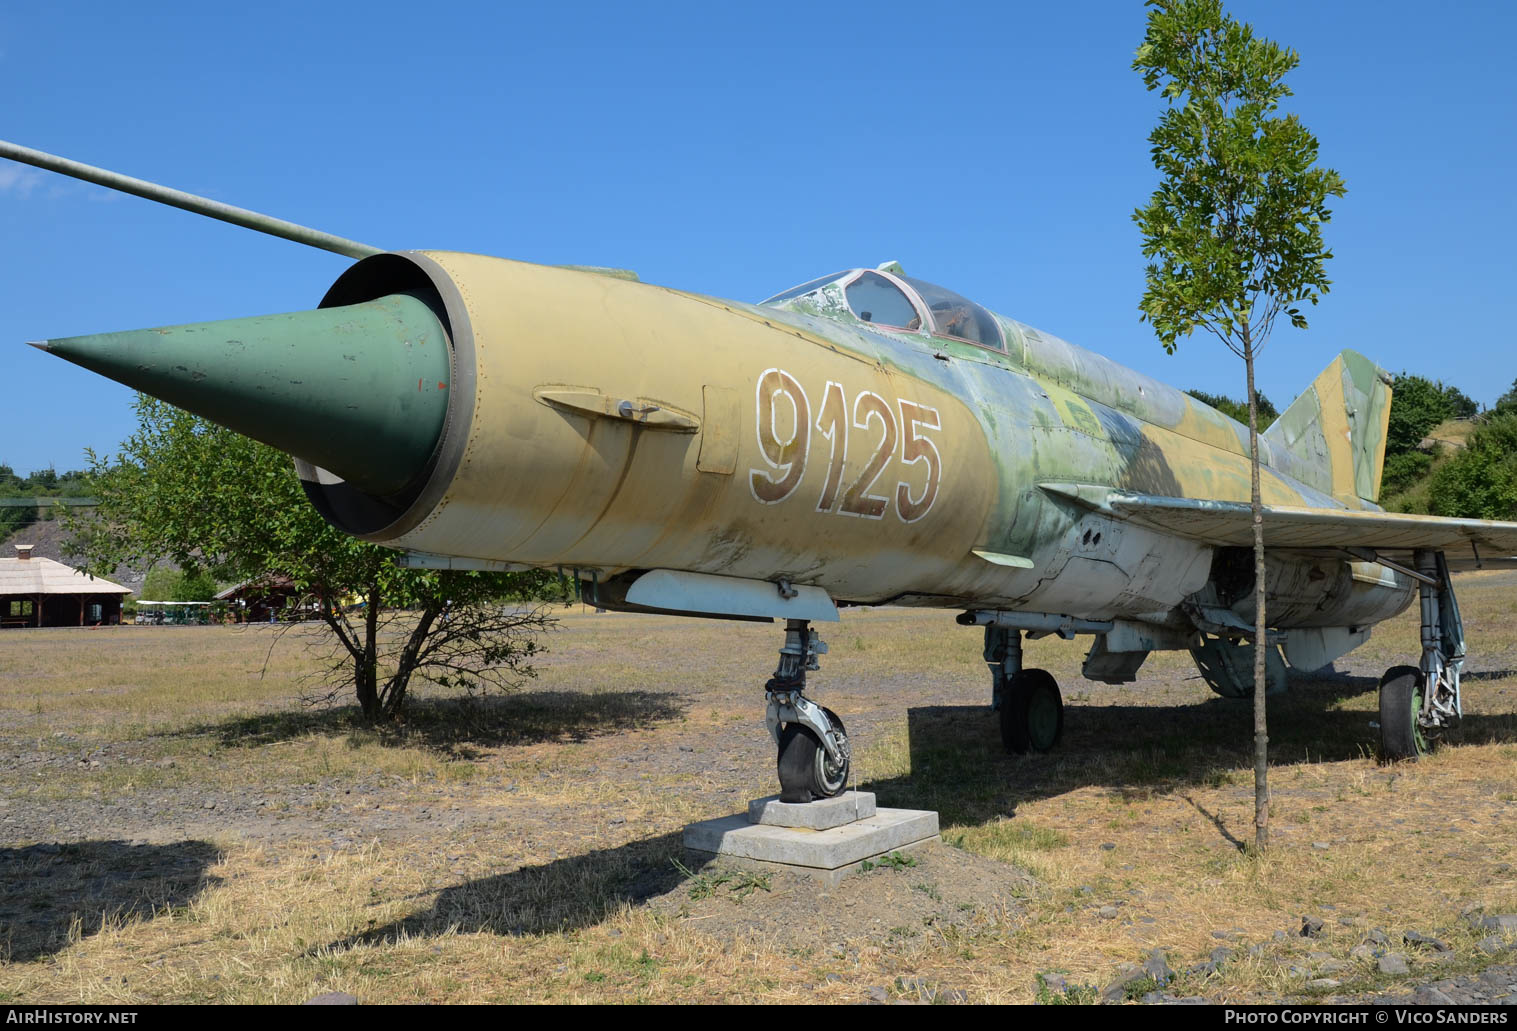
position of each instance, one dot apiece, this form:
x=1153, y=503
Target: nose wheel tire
x=1401, y=736
x=1032, y=712
x=807, y=772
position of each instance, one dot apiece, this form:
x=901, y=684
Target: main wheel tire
x=806, y=771
x=1032, y=712
x=1401, y=737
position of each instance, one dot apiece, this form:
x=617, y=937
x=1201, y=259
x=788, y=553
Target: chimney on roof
x=24, y=551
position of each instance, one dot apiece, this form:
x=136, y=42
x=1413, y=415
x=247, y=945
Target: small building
x=38, y=592
x=265, y=599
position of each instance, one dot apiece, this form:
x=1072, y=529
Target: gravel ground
x=171, y=834
x=163, y=836
x=168, y=830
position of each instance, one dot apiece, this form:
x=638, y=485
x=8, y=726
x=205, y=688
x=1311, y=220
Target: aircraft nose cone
x=361, y=390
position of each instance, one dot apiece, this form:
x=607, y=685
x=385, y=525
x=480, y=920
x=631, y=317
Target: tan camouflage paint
x=620, y=426
x=548, y=485
x=1340, y=422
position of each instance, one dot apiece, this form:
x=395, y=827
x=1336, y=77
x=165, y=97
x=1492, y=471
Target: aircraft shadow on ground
x=53, y=894
x=564, y=894
x=960, y=769
x=460, y=726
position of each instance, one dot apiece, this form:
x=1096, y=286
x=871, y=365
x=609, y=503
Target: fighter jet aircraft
x=866, y=438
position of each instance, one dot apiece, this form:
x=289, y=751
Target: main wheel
x=1032, y=712
x=806, y=770
x=1401, y=736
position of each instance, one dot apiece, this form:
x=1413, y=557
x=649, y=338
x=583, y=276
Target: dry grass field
x=176, y=826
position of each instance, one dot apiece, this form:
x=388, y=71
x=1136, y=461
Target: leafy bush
x=1418, y=404
x=1404, y=469
x=1480, y=482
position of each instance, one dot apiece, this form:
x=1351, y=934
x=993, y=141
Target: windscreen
x=874, y=298
x=957, y=316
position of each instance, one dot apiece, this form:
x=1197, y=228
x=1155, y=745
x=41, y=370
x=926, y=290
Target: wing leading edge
x=1230, y=523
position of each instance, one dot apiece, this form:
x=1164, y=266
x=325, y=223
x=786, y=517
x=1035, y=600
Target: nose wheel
x=807, y=771
x=813, y=749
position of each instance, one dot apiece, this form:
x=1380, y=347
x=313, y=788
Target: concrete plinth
x=829, y=854
x=820, y=815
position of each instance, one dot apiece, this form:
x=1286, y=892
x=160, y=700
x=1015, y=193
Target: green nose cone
x=361, y=391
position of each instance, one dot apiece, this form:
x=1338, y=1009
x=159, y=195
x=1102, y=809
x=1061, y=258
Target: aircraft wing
x=1231, y=523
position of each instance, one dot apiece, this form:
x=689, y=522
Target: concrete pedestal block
x=830, y=854
x=820, y=815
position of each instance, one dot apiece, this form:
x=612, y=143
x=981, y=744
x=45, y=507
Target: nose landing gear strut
x=813, y=745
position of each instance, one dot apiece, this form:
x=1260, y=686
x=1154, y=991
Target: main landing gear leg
x=1419, y=702
x=1028, y=700
x=1003, y=654
x=813, y=745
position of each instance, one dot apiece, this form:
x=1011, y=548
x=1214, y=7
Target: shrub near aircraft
x=866, y=438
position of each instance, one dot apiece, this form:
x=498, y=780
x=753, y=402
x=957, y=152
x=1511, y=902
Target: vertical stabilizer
x=1338, y=426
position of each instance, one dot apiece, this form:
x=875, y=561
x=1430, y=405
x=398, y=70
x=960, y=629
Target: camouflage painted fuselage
x=615, y=427
x=484, y=413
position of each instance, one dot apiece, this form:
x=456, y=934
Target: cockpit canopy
x=887, y=297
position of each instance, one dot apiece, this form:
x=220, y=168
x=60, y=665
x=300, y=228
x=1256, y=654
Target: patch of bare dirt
x=933, y=891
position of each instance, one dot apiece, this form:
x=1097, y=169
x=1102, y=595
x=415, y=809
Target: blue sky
x=734, y=150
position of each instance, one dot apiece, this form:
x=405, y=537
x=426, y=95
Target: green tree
x=217, y=502
x=40, y=484
x=1508, y=401
x=164, y=584
x=1461, y=405
x=1233, y=233
x=1417, y=406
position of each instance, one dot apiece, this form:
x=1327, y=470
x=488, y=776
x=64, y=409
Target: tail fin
x=1338, y=426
